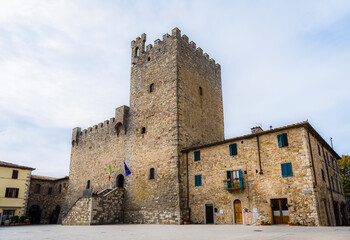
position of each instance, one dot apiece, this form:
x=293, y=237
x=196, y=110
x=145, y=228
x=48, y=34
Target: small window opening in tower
x=143, y=130
x=151, y=173
x=200, y=91
x=137, y=52
x=151, y=88
x=88, y=184
x=149, y=59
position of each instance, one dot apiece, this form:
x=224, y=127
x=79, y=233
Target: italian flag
x=110, y=172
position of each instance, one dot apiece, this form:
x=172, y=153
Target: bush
x=22, y=219
x=15, y=219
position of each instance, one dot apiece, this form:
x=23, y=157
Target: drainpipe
x=188, y=188
x=312, y=159
x=257, y=141
x=329, y=181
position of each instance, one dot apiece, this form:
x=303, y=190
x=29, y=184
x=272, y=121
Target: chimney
x=257, y=129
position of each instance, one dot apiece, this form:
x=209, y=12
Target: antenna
x=331, y=142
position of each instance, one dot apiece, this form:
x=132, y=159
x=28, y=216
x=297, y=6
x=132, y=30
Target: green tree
x=344, y=167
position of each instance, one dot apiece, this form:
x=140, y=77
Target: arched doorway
x=237, y=209
x=120, y=181
x=55, y=214
x=34, y=213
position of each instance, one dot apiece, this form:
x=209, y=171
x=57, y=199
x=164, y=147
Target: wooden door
x=280, y=211
x=209, y=213
x=237, y=206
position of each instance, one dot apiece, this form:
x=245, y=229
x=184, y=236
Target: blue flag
x=127, y=170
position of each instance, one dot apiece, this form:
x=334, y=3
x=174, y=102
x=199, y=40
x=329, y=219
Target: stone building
x=46, y=198
x=176, y=112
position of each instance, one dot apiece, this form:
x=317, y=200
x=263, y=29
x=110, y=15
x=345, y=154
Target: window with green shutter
x=286, y=169
x=197, y=156
x=233, y=149
x=198, y=180
x=282, y=140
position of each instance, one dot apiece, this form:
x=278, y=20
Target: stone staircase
x=105, y=208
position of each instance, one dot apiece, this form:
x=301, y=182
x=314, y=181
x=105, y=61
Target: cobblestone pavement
x=169, y=232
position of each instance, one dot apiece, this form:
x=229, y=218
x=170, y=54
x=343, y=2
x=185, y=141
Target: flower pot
x=293, y=224
x=265, y=223
x=185, y=223
x=7, y=222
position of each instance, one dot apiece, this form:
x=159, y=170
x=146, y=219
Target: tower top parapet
x=138, y=46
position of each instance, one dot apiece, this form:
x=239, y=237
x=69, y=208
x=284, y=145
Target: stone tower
x=175, y=102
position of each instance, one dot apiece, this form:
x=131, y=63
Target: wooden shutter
x=7, y=192
x=279, y=138
x=16, y=194
x=228, y=176
x=284, y=170
x=197, y=156
x=233, y=149
x=285, y=139
x=240, y=178
x=198, y=180
x=289, y=169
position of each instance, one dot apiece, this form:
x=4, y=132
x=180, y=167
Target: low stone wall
x=108, y=209
x=80, y=213
x=102, y=209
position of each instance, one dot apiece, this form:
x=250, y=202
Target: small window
x=287, y=170
x=88, y=184
x=319, y=150
x=15, y=174
x=149, y=59
x=137, y=52
x=151, y=88
x=197, y=156
x=322, y=172
x=11, y=192
x=143, y=130
x=327, y=158
x=282, y=140
x=200, y=91
x=60, y=188
x=198, y=180
x=233, y=149
x=49, y=191
x=332, y=183
x=151, y=173
x=37, y=188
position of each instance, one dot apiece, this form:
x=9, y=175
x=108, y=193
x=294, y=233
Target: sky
x=66, y=63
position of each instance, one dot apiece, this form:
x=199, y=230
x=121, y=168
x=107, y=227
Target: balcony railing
x=233, y=185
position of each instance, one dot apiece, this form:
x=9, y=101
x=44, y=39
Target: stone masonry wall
x=258, y=189
x=80, y=213
x=48, y=202
x=325, y=169
x=103, y=209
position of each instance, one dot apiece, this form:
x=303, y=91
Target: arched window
x=137, y=52
x=37, y=188
x=151, y=173
x=120, y=181
x=49, y=191
x=88, y=184
x=60, y=188
x=151, y=88
x=200, y=91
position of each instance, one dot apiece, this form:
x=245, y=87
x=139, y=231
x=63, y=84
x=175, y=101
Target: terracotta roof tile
x=12, y=165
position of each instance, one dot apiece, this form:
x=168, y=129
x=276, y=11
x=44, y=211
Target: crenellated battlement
x=112, y=125
x=140, y=52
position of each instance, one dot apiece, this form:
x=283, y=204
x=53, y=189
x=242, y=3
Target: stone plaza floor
x=169, y=232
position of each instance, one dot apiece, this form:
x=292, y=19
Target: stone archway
x=34, y=213
x=55, y=214
x=120, y=181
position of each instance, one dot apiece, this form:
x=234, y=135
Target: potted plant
x=187, y=221
x=291, y=223
x=22, y=219
x=27, y=220
x=265, y=221
x=15, y=220
x=7, y=221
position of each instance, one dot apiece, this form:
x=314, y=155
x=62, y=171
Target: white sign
x=221, y=211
